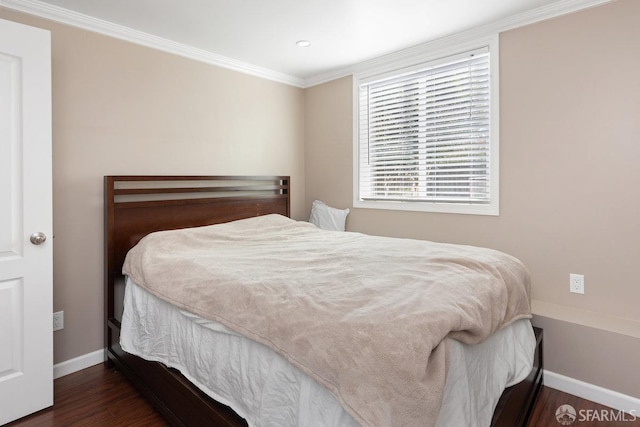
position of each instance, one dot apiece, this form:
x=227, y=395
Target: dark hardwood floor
x=588, y=413
x=98, y=396
x=95, y=396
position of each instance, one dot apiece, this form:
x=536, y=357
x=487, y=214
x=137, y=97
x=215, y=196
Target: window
x=427, y=137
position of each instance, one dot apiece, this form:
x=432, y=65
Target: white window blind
x=425, y=135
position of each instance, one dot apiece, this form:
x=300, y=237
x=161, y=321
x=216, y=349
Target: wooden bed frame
x=138, y=205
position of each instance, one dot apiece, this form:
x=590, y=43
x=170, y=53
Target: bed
x=138, y=205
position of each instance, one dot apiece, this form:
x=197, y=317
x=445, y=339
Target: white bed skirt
x=266, y=390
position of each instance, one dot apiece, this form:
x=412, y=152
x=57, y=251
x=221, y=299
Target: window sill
x=451, y=208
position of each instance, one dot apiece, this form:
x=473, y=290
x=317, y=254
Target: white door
x=26, y=337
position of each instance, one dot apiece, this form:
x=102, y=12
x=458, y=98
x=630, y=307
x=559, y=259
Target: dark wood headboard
x=135, y=206
x=138, y=205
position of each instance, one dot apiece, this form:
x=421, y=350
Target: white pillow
x=326, y=217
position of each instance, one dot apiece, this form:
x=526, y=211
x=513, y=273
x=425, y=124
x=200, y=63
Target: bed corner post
x=287, y=192
x=108, y=265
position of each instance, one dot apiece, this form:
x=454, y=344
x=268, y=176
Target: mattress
x=266, y=390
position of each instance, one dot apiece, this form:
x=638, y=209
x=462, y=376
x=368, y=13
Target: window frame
x=433, y=57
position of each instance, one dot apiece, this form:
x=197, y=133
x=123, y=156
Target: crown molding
x=65, y=16
x=75, y=19
x=413, y=54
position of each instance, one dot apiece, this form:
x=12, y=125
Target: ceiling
x=263, y=33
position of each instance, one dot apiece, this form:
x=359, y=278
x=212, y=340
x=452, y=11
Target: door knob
x=38, y=238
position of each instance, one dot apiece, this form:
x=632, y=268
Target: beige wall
x=119, y=108
x=569, y=180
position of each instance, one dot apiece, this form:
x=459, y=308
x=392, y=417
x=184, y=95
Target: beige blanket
x=365, y=316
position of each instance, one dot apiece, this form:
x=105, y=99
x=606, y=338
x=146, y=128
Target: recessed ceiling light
x=303, y=43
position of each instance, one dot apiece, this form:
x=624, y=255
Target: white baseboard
x=594, y=393
x=77, y=364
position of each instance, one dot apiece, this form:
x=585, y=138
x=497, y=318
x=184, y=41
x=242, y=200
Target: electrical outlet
x=576, y=283
x=58, y=320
